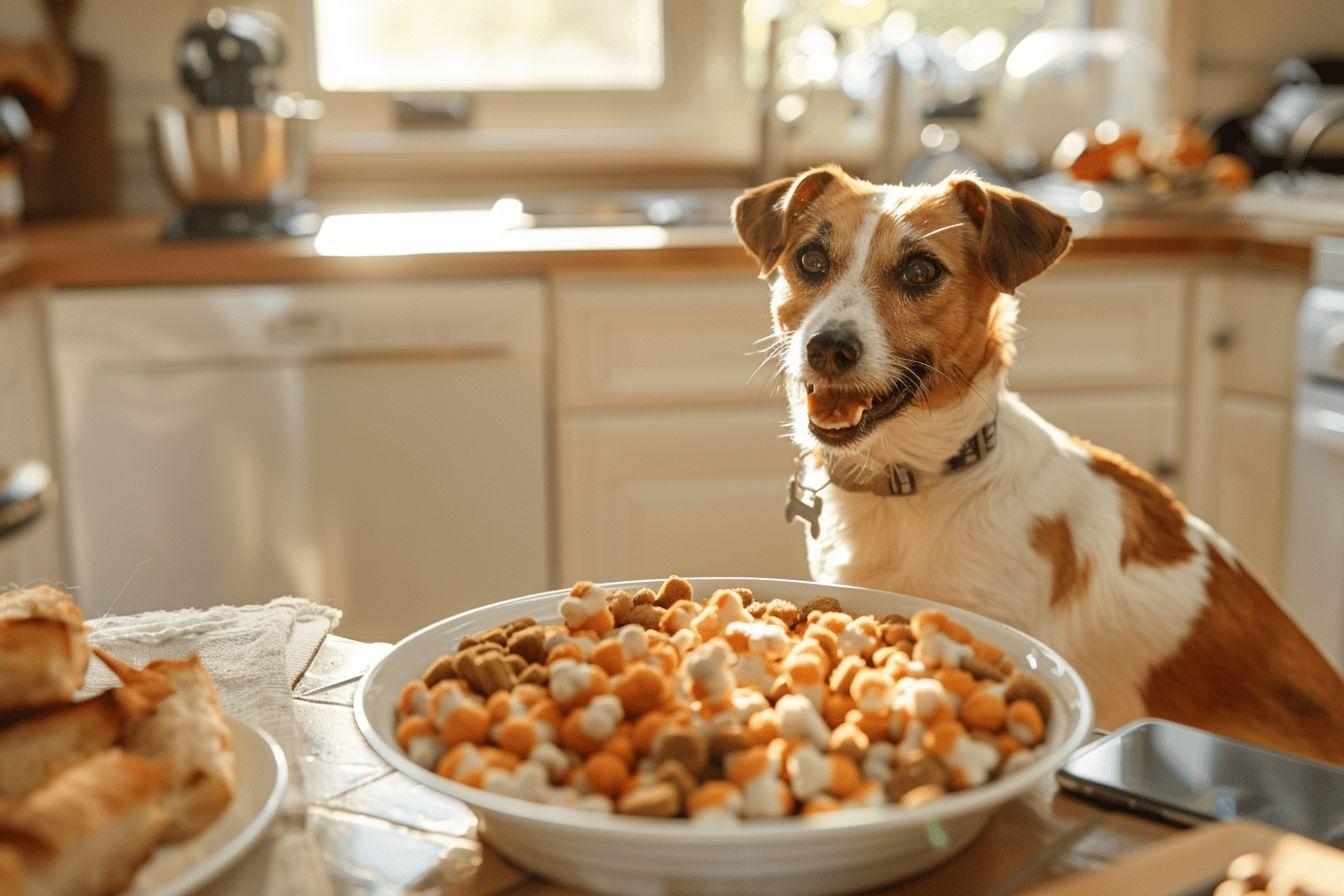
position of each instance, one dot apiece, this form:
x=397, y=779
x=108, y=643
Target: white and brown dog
x=894, y=314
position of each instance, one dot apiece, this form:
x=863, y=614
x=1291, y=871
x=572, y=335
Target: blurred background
x=410, y=306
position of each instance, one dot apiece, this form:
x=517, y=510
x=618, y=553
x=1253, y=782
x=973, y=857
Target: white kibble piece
x=426, y=750
x=938, y=650
x=809, y=771
x=578, y=610
x=634, y=643
x=976, y=759
x=877, y=761
x=601, y=717
x=799, y=719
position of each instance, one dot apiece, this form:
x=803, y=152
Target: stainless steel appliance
x=237, y=161
x=1314, y=585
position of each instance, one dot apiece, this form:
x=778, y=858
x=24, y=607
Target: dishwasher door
x=378, y=447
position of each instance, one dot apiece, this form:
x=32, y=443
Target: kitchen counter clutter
x=122, y=251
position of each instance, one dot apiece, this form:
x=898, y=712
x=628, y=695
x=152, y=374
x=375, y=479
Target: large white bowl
x=838, y=852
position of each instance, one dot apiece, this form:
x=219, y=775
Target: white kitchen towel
x=255, y=654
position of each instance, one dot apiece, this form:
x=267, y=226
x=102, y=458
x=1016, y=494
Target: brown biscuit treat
x=895, y=632
x=981, y=669
x=924, y=771
x=518, y=624
x=645, y=597
x=535, y=674
x=893, y=619
x=648, y=616
x=440, y=669
x=516, y=663
x=1023, y=687
x=495, y=635
x=729, y=739
x=822, y=605
x=494, y=673
x=660, y=800
x=529, y=643
x=785, y=612
x=687, y=746
x=674, y=773
x=748, y=596
x=674, y=589
x=467, y=663
x=620, y=603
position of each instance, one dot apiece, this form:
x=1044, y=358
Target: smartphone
x=1189, y=776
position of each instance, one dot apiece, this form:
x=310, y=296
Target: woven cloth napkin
x=255, y=654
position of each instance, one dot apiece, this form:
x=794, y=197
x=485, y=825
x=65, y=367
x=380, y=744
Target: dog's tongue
x=836, y=409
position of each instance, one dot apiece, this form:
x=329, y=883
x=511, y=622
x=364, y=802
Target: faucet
x=1309, y=131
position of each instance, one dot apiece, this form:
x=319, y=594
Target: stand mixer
x=236, y=162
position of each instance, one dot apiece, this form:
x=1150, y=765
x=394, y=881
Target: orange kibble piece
x=845, y=776
x=566, y=650
x=497, y=705
x=609, y=656
x=835, y=707
x=1007, y=744
x=606, y=773
x=956, y=681
x=804, y=670
x=621, y=744
x=710, y=795
x=548, y=711
x=943, y=712
x=763, y=726
x=1025, y=722
x=572, y=735
x=646, y=729
x=518, y=735
x=469, y=724
x=820, y=804
x=942, y=738
x=665, y=655
x=641, y=689
x=875, y=725
x=987, y=652
x=412, y=726
x=747, y=764
x=984, y=711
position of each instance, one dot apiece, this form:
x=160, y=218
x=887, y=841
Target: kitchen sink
x=685, y=208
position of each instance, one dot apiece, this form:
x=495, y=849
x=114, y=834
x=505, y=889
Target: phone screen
x=1162, y=765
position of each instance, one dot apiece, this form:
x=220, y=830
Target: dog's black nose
x=834, y=350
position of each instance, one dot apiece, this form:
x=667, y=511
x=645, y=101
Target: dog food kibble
x=722, y=709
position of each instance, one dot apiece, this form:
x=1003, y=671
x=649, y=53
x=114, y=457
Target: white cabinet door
x=25, y=434
x=1250, y=457
x=680, y=339
x=1141, y=425
x=647, y=494
x=1089, y=326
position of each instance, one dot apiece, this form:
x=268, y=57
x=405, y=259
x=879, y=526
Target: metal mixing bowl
x=233, y=154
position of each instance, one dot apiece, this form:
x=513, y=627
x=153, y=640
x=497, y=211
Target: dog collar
x=895, y=480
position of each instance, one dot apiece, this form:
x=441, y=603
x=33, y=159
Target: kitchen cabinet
x=647, y=494
x=1249, y=467
x=37, y=552
x=1239, y=391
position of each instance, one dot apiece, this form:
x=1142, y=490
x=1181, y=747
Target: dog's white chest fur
x=966, y=540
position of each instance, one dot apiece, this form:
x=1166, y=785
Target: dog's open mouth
x=838, y=415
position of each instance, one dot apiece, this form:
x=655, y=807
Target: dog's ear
x=764, y=215
x=1019, y=237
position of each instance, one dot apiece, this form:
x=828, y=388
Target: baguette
x=87, y=830
x=37, y=745
x=186, y=736
x=43, y=650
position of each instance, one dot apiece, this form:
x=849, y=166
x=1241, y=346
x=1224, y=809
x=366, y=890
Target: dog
x=894, y=312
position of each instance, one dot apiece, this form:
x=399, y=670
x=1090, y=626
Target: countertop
x=381, y=832
x=128, y=251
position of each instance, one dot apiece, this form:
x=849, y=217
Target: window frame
x=693, y=119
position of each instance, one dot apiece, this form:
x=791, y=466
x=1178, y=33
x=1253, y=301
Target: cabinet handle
x=1224, y=338
x=1166, y=468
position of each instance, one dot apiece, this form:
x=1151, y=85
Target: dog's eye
x=812, y=262
x=921, y=272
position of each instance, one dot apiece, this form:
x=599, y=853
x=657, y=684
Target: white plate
x=262, y=774
x=831, y=853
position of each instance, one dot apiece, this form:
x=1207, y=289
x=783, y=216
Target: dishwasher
x=1314, y=573
x=380, y=447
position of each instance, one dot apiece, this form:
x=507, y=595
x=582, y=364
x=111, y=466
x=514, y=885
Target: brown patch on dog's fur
x=1052, y=539
x=1154, y=519
x=1246, y=670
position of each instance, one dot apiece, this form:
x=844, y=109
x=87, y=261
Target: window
x=816, y=34
x=489, y=45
